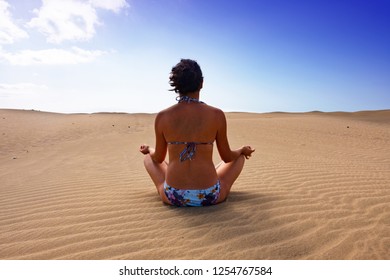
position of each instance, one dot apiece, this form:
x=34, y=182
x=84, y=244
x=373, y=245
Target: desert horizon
x=73, y=186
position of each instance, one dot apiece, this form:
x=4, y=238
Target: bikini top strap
x=187, y=99
x=186, y=143
x=190, y=150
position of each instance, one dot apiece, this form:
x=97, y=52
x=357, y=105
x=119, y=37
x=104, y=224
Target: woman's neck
x=194, y=95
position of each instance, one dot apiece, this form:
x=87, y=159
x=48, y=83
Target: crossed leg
x=226, y=172
x=157, y=172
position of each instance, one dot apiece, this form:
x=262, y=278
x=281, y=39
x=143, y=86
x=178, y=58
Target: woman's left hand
x=247, y=151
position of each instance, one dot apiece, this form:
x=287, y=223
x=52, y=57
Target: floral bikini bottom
x=183, y=197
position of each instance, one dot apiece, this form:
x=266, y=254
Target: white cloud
x=22, y=88
x=24, y=95
x=74, y=20
x=9, y=31
x=51, y=56
x=62, y=20
x=59, y=21
x=112, y=5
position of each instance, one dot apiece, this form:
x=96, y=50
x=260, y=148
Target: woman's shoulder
x=215, y=109
x=166, y=111
x=174, y=112
x=217, y=113
x=164, y=115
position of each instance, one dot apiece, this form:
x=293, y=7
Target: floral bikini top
x=190, y=149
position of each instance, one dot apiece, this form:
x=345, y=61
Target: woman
x=187, y=131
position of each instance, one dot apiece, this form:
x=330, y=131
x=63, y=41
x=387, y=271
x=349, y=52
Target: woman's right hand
x=247, y=151
x=144, y=149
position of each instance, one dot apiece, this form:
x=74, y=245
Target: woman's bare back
x=196, y=123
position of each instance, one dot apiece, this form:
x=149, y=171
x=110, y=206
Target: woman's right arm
x=228, y=155
x=158, y=154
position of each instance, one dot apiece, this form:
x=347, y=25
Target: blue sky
x=256, y=56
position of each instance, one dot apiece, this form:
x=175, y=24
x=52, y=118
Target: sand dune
x=74, y=187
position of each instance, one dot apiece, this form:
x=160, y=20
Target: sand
x=74, y=187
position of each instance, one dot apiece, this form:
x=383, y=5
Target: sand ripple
x=74, y=187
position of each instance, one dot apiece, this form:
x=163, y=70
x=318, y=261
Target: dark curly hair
x=186, y=77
